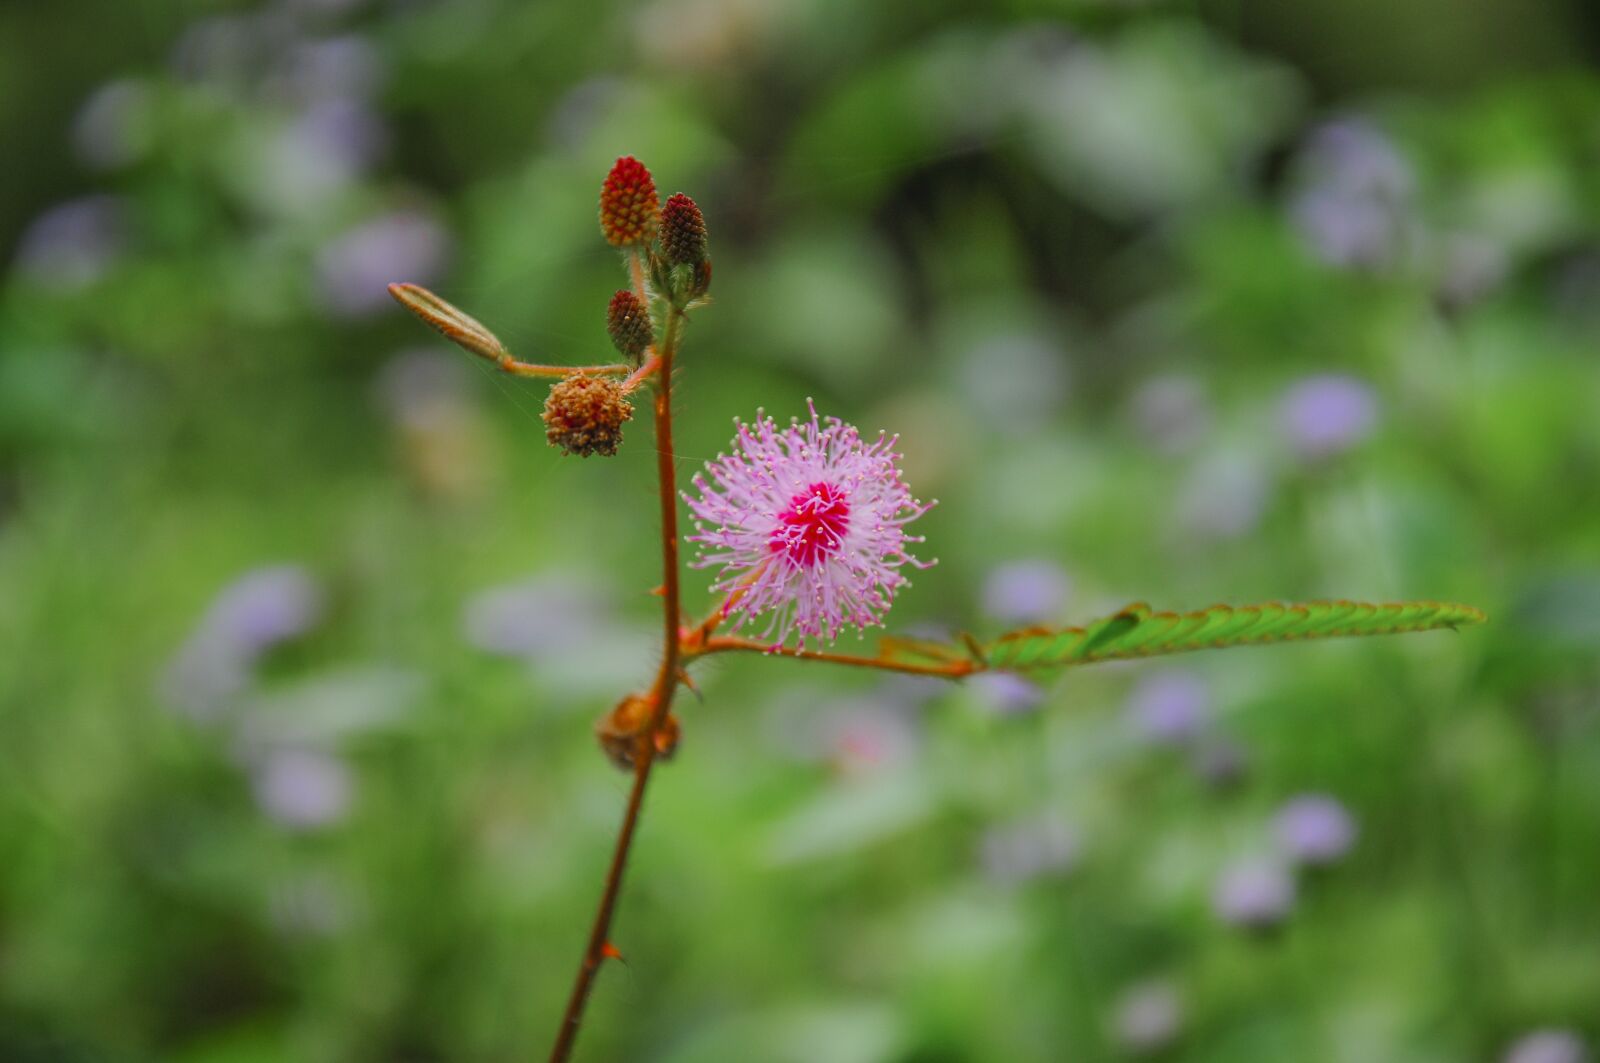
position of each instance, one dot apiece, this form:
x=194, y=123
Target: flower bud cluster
x=584, y=413
x=682, y=268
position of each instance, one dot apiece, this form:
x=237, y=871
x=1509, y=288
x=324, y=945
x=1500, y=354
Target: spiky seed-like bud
x=683, y=231
x=630, y=210
x=584, y=415
x=628, y=323
x=622, y=731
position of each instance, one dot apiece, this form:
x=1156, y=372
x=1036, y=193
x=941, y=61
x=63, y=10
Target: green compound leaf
x=1137, y=631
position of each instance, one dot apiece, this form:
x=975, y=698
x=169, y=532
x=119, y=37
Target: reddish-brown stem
x=666, y=685
x=695, y=638
x=470, y=334
x=652, y=360
x=954, y=669
x=651, y=363
x=516, y=368
x=636, y=274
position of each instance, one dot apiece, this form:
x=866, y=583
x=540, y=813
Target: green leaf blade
x=1137, y=631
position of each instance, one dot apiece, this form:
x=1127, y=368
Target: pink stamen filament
x=812, y=528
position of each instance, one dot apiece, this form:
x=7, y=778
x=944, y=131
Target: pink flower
x=808, y=524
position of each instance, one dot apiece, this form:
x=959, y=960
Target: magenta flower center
x=812, y=528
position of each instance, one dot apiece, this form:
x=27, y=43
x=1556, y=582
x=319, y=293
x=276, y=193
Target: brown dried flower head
x=584, y=415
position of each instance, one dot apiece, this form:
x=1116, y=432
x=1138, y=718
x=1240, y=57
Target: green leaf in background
x=1137, y=631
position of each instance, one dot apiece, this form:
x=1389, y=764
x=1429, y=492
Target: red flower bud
x=702, y=278
x=683, y=231
x=629, y=207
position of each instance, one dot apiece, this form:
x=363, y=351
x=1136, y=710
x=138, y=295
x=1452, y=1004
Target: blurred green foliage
x=1173, y=302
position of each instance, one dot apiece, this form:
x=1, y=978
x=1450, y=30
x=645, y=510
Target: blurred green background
x=303, y=629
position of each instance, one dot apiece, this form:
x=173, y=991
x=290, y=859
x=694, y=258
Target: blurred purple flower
x=1548, y=1046
x=1148, y=1017
x=537, y=618
x=111, y=128
x=911, y=691
x=1355, y=152
x=562, y=624
x=346, y=128
x=219, y=43
x=1344, y=230
x=328, y=146
x=1027, y=849
x=856, y=735
x=574, y=116
x=1016, y=381
x=1472, y=267
x=1314, y=829
x=248, y=617
x=72, y=244
x=346, y=66
x=324, y=710
x=864, y=737
x=1223, y=497
x=1327, y=414
x=231, y=50
x=201, y=680
x=1006, y=693
x=1170, y=412
x=355, y=269
x=1170, y=707
x=1220, y=763
x=265, y=607
x=1025, y=592
x=310, y=905
x=1353, y=205
x=1253, y=894
x=444, y=446
x=314, y=157
x=414, y=385
x=302, y=789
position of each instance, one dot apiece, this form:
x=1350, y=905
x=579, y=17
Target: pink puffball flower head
x=808, y=524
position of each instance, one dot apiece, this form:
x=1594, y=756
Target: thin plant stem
x=651, y=363
x=666, y=684
x=697, y=636
x=636, y=274
x=467, y=332
x=516, y=368
x=953, y=669
x=652, y=360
